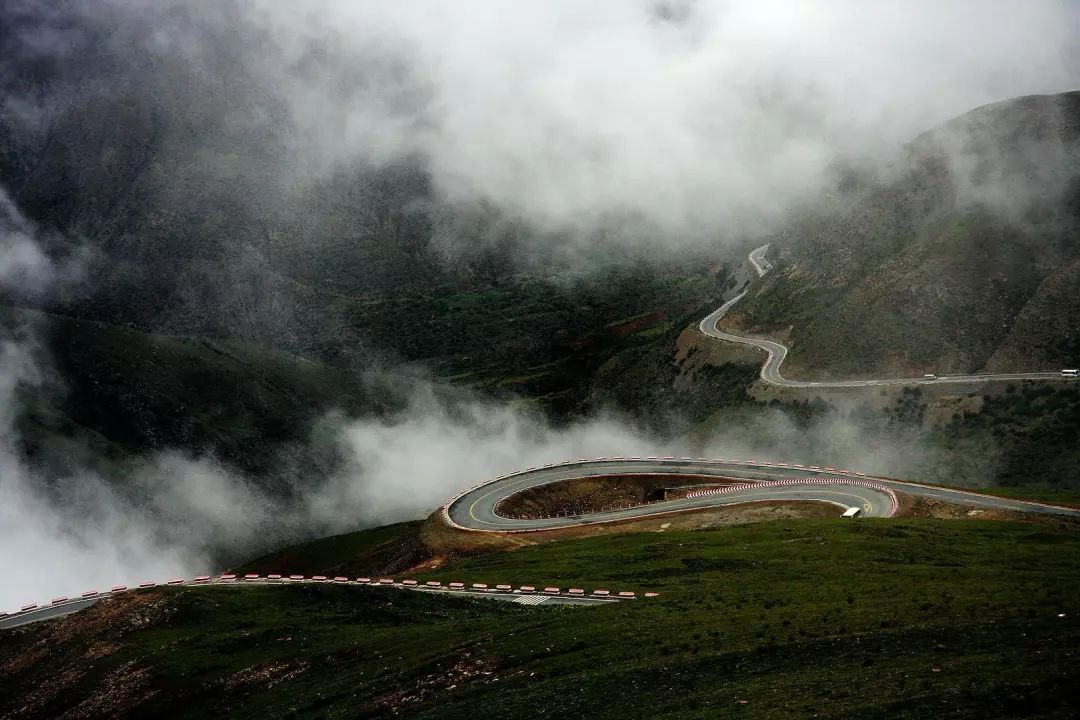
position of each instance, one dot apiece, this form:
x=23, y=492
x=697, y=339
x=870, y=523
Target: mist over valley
x=279, y=281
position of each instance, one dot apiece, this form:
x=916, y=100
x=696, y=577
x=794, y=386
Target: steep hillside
x=181, y=187
x=113, y=393
x=963, y=259
x=910, y=618
x=1045, y=329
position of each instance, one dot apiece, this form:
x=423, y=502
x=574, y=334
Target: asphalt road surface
x=47, y=612
x=477, y=508
x=770, y=371
x=757, y=259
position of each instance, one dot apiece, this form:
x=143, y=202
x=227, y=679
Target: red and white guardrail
x=282, y=579
x=445, y=509
x=894, y=504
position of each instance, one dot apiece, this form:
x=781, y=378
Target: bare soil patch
x=694, y=351
x=914, y=506
x=467, y=669
x=597, y=494
x=63, y=647
x=447, y=542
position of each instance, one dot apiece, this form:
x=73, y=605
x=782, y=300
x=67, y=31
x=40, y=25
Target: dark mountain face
x=158, y=145
x=950, y=262
x=170, y=156
x=159, y=140
x=150, y=150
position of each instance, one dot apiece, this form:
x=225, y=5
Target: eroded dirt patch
x=62, y=651
x=119, y=692
x=468, y=668
x=107, y=621
x=597, y=494
x=266, y=676
x=448, y=542
x=915, y=506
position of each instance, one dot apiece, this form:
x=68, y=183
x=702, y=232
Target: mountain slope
x=921, y=619
x=953, y=263
x=118, y=393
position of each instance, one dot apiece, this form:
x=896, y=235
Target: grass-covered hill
x=966, y=257
x=907, y=618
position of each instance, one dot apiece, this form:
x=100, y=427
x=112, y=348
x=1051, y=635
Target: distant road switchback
x=770, y=371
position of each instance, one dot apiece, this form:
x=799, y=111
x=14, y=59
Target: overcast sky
x=689, y=113
x=697, y=118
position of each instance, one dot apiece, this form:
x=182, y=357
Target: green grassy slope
x=380, y=550
x=798, y=619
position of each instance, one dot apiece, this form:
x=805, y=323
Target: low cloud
x=174, y=514
x=698, y=118
x=25, y=269
x=435, y=449
x=28, y=272
x=657, y=121
x=178, y=515
x=847, y=434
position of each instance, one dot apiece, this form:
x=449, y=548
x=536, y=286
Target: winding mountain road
x=477, y=509
x=723, y=482
x=770, y=370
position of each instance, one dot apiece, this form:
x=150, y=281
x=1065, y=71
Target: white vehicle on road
x=1067, y=372
x=852, y=512
x=929, y=376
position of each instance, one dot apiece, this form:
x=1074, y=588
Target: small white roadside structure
x=851, y=512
